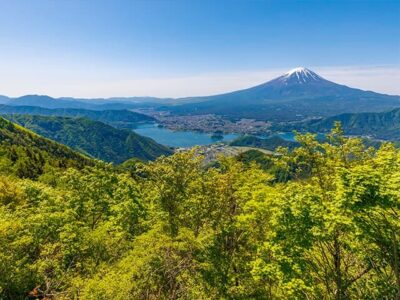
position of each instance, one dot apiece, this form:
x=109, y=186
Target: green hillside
x=26, y=154
x=270, y=143
x=381, y=125
x=319, y=222
x=93, y=138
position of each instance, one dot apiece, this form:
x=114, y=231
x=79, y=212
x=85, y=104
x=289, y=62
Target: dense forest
x=93, y=138
x=270, y=143
x=28, y=155
x=318, y=222
x=378, y=125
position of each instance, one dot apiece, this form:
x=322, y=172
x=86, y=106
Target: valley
x=212, y=197
x=231, y=196
x=199, y=150
x=93, y=138
x=300, y=99
x=181, y=138
x=208, y=123
x=102, y=226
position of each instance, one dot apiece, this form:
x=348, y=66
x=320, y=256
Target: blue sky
x=177, y=48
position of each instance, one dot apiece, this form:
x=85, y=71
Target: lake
x=185, y=139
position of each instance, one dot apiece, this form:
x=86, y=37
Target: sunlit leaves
x=320, y=222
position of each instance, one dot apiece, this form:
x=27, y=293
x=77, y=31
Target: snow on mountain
x=300, y=75
x=297, y=94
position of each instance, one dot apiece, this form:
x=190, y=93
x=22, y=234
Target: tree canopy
x=319, y=222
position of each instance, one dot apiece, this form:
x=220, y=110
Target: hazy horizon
x=204, y=84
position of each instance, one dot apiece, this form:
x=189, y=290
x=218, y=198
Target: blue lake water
x=172, y=138
x=185, y=139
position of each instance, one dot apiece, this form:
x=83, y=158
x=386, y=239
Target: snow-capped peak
x=300, y=75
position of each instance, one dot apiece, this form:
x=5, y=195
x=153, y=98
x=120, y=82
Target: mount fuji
x=297, y=94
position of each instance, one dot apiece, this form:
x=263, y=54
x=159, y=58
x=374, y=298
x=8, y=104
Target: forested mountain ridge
x=270, y=143
x=117, y=118
x=380, y=125
x=320, y=222
x=27, y=154
x=93, y=138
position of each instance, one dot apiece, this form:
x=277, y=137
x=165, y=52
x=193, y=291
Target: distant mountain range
x=93, y=138
x=94, y=104
x=116, y=118
x=298, y=94
x=382, y=125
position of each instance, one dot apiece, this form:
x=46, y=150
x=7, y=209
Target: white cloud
x=98, y=83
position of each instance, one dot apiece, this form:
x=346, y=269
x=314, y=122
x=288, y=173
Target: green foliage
x=270, y=143
x=381, y=125
x=58, y=236
x=175, y=229
x=93, y=138
x=28, y=155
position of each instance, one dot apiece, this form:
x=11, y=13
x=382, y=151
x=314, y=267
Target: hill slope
x=26, y=154
x=94, y=138
x=293, y=96
x=116, y=118
x=270, y=143
x=382, y=125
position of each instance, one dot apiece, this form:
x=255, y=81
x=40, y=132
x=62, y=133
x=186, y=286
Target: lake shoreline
x=191, y=138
